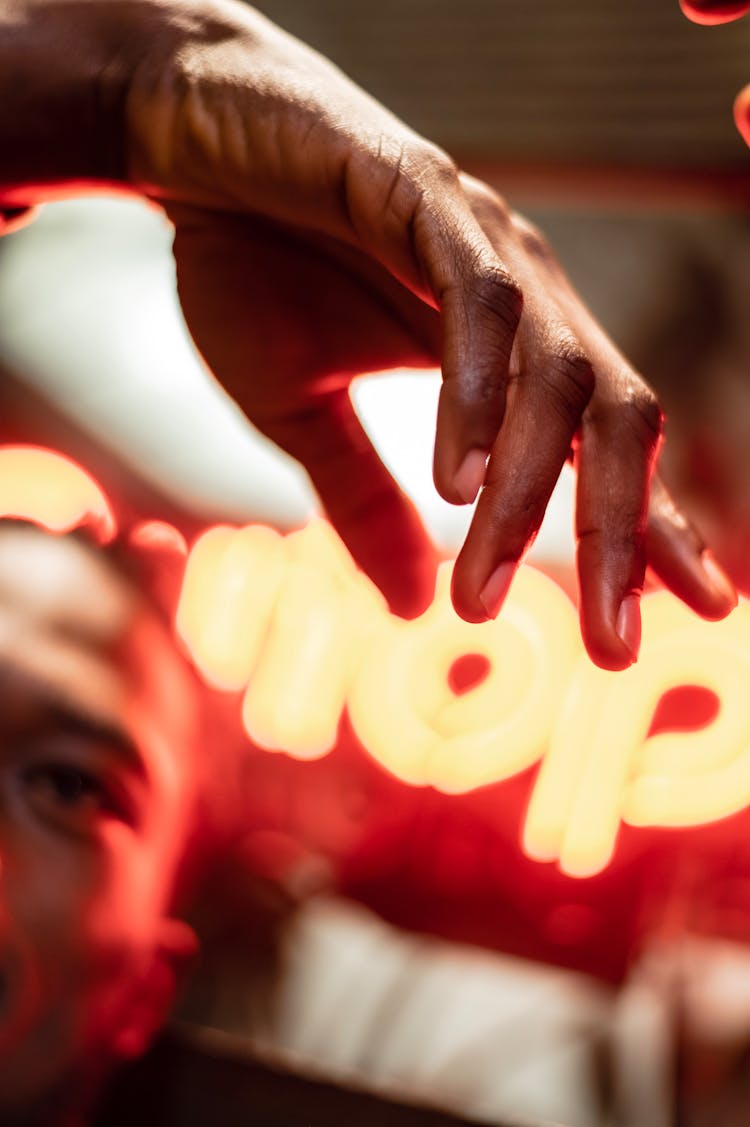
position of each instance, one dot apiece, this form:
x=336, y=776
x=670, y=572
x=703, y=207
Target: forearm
x=109, y=92
x=65, y=66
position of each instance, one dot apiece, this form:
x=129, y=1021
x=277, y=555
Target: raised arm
x=317, y=237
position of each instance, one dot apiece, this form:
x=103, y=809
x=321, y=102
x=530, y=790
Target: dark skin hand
x=317, y=237
x=322, y=313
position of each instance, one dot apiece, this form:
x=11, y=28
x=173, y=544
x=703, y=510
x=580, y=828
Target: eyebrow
x=74, y=720
x=72, y=717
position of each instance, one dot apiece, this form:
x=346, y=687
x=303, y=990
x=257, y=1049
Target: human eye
x=73, y=796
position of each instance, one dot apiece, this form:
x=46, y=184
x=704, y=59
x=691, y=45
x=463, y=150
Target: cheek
x=85, y=918
x=77, y=962
x=49, y=900
x=713, y=11
x=123, y=902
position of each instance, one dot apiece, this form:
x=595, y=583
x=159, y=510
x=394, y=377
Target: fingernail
x=718, y=578
x=470, y=476
x=629, y=624
x=492, y=595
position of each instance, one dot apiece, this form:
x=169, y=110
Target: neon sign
x=290, y=622
x=51, y=490
x=602, y=767
x=294, y=621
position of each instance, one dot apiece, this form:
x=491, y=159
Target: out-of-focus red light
x=51, y=490
x=292, y=624
x=294, y=621
x=158, y=536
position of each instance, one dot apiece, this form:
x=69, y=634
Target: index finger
x=375, y=519
x=418, y=222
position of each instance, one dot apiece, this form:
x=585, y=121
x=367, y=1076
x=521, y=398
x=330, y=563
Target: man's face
x=97, y=734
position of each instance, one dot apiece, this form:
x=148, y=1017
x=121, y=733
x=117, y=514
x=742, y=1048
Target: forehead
x=74, y=623
x=65, y=584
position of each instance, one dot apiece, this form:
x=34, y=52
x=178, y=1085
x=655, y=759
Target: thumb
x=371, y=514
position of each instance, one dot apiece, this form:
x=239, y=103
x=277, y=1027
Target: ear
x=149, y=1006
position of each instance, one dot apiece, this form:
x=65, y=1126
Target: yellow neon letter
x=228, y=596
x=410, y=720
x=51, y=490
x=324, y=614
x=603, y=768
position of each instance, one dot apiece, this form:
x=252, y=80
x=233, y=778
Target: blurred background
x=610, y=125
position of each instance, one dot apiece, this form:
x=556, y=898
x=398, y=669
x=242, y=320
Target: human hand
x=317, y=238
x=312, y=313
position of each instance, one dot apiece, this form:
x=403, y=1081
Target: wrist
x=65, y=69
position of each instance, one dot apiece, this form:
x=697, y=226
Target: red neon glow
x=413, y=723
x=228, y=596
x=158, y=536
x=324, y=617
x=51, y=490
x=294, y=620
x=603, y=767
x=291, y=623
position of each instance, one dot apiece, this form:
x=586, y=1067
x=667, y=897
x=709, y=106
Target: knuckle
x=622, y=537
x=430, y=165
x=628, y=544
x=532, y=241
x=477, y=394
x=641, y=411
x=404, y=173
x=497, y=291
x=570, y=377
x=487, y=204
x=629, y=412
x=514, y=515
